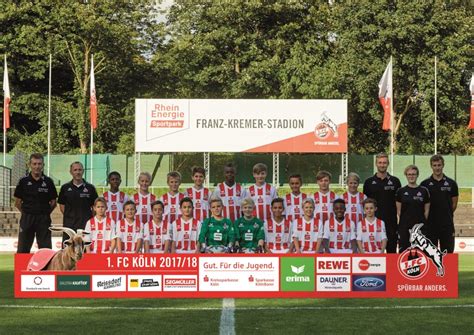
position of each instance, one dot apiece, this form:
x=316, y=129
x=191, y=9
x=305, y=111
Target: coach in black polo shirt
x=444, y=200
x=382, y=187
x=76, y=199
x=35, y=197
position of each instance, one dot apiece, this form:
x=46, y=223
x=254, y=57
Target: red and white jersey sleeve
x=129, y=234
x=354, y=206
x=262, y=196
x=156, y=234
x=102, y=232
x=185, y=234
x=307, y=233
x=171, y=204
x=294, y=206
x=278, y=235
x=143, y=202
x=323, y=204
x=371, y=234
x=115, y=203
x=200, y=201
x=339, y=234
x=231, y=197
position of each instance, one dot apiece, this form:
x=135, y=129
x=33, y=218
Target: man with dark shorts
x=382, y=187
x=76, y=199
x=444, y=200
x=35, y=197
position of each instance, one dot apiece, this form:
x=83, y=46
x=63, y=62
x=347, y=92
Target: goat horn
x=66, y=230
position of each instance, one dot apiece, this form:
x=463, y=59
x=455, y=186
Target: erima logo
x=389, y=182
x=29, y=183
x=374, y=182
x=446, y=183
x=406, y=193
x=69, y=189
x=431, y=183
x=43, y=184
x=419, y=194
x=297, y=270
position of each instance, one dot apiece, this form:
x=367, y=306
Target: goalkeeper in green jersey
x=249, y=231
x=217, y=232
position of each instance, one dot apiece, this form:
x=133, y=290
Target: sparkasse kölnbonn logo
x=297, y=274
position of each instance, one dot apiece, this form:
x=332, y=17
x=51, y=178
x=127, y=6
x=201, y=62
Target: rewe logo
x=297, y=270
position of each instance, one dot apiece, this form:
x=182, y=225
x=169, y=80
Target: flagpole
x=92, y=155
x=436, y=105
x=4, y=127
x=392, y=116
x=49, y=113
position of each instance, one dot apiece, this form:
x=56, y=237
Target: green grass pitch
x=262, y=316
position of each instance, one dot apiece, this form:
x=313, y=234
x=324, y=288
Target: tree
x=119, y=33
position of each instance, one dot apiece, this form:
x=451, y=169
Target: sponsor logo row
x=108, y=283
x=333, y=274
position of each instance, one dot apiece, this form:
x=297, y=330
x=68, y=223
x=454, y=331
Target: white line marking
x=227, y=324
x=233, y=308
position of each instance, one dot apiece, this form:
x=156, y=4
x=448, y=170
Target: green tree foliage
x=308, y=49
x=239, y=49
x=120, y=34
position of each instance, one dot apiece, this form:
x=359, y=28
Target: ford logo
x=369, y=283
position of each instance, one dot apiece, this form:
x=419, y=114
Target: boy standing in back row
x=261, y=192
x=199, y=194
x=324, y=198
x=231, y=194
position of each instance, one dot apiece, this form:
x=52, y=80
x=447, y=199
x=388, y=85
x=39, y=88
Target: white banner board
x=240, y=125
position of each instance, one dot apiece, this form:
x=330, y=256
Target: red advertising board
x=408, y=275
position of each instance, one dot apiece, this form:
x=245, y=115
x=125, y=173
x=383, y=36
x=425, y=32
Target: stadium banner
x=240, y=125
x=412, y=274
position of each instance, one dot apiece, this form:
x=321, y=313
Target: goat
x=64, y=259
x=417, y=239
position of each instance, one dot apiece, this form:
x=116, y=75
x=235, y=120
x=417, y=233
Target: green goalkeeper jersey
x=216, y=232
x=249, y=232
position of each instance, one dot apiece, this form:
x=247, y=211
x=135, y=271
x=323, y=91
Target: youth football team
x=234, y=219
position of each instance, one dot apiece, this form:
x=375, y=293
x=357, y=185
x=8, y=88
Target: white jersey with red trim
x=307, y=233
x=142, y=202
x=156, y=234
x=231, y=197
x=200, y=202
x=102, y=232
x=323, y=204
x=262, y=196
x=185, y=234
x=354, y=207
x=371, y=234
x=294, y=206
x=115, y=203
x=278, y=235
x=339, y=234
x=129, y=233
x=171, y=204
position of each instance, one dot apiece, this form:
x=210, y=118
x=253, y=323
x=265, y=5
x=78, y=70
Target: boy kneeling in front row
x=217, y=232
x=339, y=231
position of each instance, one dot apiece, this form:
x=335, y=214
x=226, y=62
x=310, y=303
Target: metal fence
x=460, y=168
x=5, y=186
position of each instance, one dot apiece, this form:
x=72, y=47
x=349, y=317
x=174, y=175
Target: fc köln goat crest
x=420, y=241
